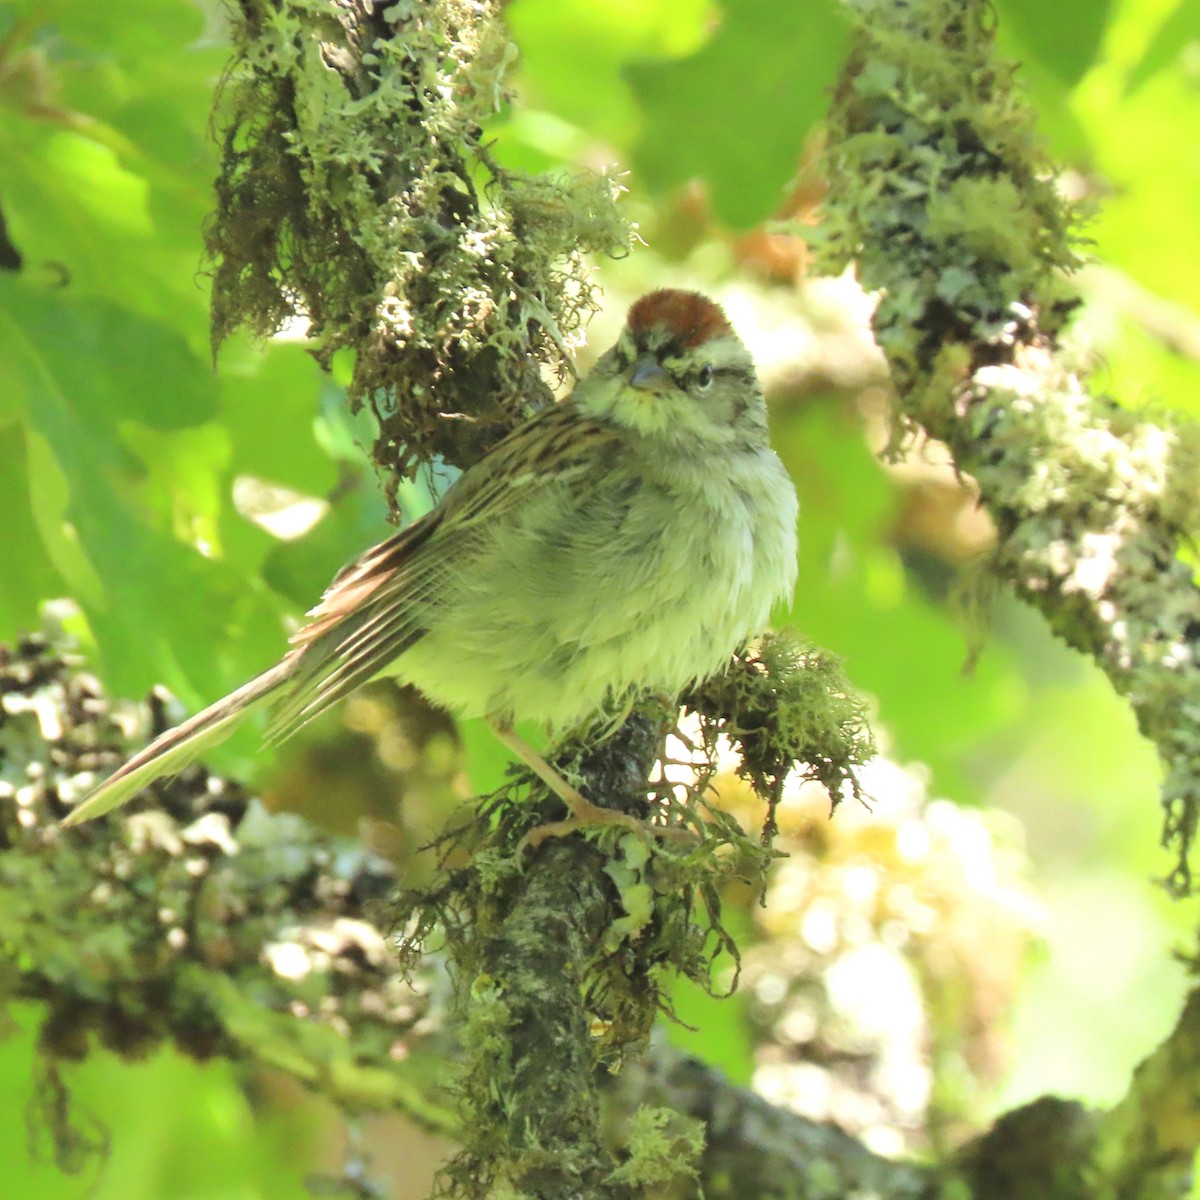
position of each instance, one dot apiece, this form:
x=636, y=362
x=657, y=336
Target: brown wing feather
x=550, y=447
x=366, y=609
x=367, y=618
x=356, y=582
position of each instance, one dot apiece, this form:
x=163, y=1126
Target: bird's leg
x=583, y=812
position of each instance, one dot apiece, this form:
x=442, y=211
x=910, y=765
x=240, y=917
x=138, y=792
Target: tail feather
x=173, y=750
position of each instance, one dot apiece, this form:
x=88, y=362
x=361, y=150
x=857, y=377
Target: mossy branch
x=940, y=195
x=207, y=923
x=1146, y=1145
x=356, y=192
x=753, y=1148
x=204, y=922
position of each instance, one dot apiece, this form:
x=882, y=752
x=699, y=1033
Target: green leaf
x=1146, y=224
x=29, y=575
x=85, y=370
x=1177, y=32
x=302, y=570
x=50, y=496
x=857, y=599
x=269, y=404
x=737, y=112
x=175, y=1129
x=105, y=164
x=1063, y=35
x=572, y=56
x=132, y=30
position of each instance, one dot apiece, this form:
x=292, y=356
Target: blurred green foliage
x=120, y=445
x=175, y=1130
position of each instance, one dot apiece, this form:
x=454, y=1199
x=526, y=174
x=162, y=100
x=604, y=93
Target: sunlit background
x=988, y=929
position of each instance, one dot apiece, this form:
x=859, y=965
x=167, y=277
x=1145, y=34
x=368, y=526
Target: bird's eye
x=705, y=377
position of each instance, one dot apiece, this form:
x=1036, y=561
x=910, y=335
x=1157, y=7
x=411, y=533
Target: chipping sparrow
x=630, y=537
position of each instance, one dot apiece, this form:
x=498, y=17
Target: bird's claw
x=592, y=818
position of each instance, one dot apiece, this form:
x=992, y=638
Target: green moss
x=788, y=707
x=664, y=1146
x=942, y=197
x=356, y=193
x=563, y=959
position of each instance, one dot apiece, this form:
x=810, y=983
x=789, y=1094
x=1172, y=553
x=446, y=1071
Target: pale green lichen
x=357, y=192
x=663, y=1147
x=229, y=933
x=943, y=199
x=933, y=160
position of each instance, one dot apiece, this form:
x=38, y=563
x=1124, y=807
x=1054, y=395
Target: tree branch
x=940, y=196
x=356, y=192
x=205, y=922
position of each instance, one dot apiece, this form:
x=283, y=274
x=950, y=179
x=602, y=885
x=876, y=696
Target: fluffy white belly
x=603, y=599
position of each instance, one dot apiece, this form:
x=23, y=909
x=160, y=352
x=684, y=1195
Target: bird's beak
x=648, y=375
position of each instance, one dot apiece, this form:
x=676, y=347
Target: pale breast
x=617, y=586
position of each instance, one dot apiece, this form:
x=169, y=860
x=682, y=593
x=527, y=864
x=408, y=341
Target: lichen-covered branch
x=1041, y=1151
x=208, y=923
x=1143, y=1148
x=1146, y=1145
x=205, y=921
x=752, y=1148
x=228, y=932
x=939, y=194
x=532, y=1111
x=356, y=191
x=562, y=961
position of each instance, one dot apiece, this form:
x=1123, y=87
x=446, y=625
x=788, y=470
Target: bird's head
x=678, y=369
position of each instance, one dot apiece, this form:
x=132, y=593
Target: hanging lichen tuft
x=356, y=193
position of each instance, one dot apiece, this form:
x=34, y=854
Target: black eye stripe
x=728, y=373
x=684, y=378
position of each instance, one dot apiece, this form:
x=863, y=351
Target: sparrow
x=627, y=539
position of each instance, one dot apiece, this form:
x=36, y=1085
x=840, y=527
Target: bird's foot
x=584, y=814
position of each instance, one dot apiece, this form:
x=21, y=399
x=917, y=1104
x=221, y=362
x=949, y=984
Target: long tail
x=171, y=751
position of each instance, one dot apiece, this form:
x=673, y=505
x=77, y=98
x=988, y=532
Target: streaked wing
x=359, y=582
x=550, y=448
x=366, y=617
x=369, y=615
